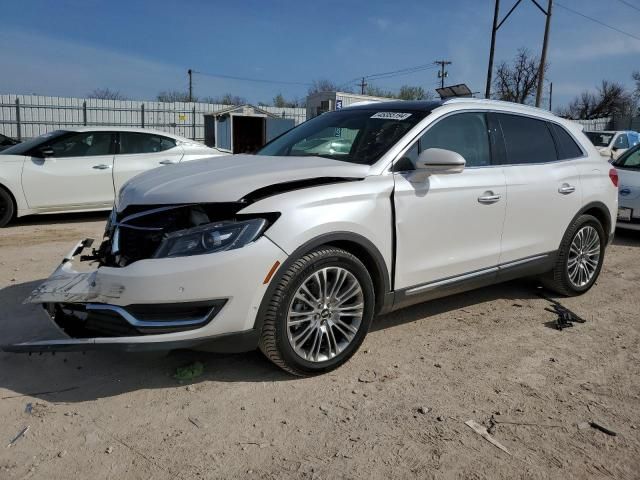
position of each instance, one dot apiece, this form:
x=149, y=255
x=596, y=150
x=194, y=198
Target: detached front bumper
x=205, y=301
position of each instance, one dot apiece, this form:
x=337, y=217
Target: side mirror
x=437, y=161
x=46, y=152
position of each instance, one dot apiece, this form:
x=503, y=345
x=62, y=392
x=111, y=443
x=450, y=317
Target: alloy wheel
x=584, y=256
x=325, y=314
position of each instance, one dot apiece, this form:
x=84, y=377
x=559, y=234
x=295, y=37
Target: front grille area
x=102, y=320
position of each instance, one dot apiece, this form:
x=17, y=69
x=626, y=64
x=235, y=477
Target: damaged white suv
x=354, y=213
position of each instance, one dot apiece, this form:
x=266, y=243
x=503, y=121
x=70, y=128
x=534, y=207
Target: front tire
x=7, y=209
x=580, y=258
x=319, y=313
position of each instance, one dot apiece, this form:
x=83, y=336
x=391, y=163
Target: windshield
x=600, y=139
x=356, y=136
x=24, y=147
x=630, y=159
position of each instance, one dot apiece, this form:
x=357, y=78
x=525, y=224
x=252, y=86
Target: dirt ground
x=396, y=410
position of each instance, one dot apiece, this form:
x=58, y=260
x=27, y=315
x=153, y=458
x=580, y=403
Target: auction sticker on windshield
x=391, y=115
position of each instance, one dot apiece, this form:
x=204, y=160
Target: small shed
x=321, y=102
x=243, y=128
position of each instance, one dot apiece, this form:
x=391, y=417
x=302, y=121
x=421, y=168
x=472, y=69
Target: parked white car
x=80, y=169
x=295, y=252
x=628, y=167
x=612, y=144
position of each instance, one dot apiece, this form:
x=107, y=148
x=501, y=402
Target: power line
x=597, y=21
x=257, y=80
x=390, y=74
x=630, y=5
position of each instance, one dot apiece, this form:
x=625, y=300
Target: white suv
x=352, y=214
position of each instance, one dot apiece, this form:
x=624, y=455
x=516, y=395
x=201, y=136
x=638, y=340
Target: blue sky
x=70, y=47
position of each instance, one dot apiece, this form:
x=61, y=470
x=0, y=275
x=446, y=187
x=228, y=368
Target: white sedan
x=80, y=169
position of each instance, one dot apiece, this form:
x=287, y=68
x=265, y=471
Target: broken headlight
x=210, y=238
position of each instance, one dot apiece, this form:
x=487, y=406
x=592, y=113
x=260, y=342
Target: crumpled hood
x=228, y=178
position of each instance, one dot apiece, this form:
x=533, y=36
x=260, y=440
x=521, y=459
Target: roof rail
x=485, y=101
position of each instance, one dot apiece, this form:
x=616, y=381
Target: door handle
x=489, y=197
x=566, y=189
x=102, y=166
x=167, y=162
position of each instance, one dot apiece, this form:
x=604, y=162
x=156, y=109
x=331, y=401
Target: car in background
x=628, y=167
x=81, y=169
x=612, y=144
x=6, y=142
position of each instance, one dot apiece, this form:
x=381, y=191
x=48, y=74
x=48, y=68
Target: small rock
x=324, y=409
x=553, y=360
x=243, y=408
x=62, y=453
x=191, y=388
x=497, y=412
x=109, y=450
x=440, y=419
x=13, y=279
x=633, y=427
x=423, y=410
x=437, y=365
x=583, y=425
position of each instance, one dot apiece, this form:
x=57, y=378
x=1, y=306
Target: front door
x=77, y=175
x=449, y=225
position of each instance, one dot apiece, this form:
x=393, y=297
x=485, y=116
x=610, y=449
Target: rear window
x=527, y=140
x=600, y=139
x=567, y=146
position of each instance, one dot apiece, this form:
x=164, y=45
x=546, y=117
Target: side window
x=464, y=133
x=85, y=144
x=134, y=142
x=621, y=141
x=527, y=140
x=630, y=161
x=567, y=147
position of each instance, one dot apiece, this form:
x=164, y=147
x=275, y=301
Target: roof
x=121, y=129
x=233, y=108
x=399, y=105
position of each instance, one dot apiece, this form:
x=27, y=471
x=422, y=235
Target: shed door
x=209, y=130
x=223, y=136
x=277, y=126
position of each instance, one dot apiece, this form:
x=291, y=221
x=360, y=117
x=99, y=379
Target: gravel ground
x=396, y=410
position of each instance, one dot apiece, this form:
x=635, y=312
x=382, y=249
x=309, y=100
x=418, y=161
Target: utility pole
x=543, y=57
x=363, y=84
x=496, y=12
x=190, y=73
x=550, y=95
x=442, y=74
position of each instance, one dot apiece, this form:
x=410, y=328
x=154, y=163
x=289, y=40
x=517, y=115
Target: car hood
x=228, y=178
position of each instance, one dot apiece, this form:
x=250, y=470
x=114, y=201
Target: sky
x=71, y=47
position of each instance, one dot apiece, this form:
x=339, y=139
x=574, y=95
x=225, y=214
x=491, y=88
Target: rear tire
x=319, y=313
x=7, y=209
x=580, y=258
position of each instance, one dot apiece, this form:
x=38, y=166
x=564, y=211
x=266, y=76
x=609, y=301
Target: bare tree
x=226, y=99
x=610, y=98
x=106, y=94
x=407, y=92
x=281, y=102
x=174, y=96
x=324, y=85
x=516, y=82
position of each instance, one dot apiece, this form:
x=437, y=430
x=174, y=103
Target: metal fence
x=27, y=116
x=596, y=124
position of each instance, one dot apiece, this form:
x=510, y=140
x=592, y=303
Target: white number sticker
x=391, y=115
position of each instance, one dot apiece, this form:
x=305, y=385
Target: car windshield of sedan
x=351, y=135
x=630, y=159
x=24, y=147
x=599, y=139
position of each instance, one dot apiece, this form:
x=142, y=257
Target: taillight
x=613, y=175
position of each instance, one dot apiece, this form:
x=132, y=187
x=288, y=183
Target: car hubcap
x=584, y=256
x=325, y=314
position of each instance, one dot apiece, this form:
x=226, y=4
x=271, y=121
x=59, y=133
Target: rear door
x=77, y=175
x=140, y=151
x=449, y=225
x=543, y=185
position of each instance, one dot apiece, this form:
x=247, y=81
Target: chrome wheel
x=584, y=256
x=325, y=314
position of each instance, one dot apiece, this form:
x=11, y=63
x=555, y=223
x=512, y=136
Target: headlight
x=210, y=238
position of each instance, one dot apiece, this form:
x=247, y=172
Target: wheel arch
x=600, y=211
x=357, y=245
